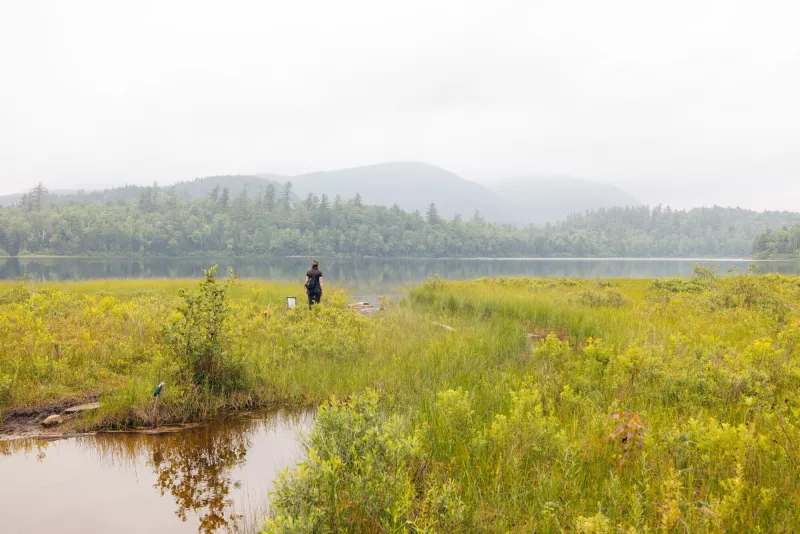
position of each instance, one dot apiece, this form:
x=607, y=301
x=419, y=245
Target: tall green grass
x=510, y=420
x=515, y=421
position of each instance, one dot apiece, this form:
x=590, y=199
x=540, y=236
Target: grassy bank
x=547, y=405
x=116, y=340
x=565, y=405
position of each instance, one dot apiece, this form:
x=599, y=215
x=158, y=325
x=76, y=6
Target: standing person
x=314, y=284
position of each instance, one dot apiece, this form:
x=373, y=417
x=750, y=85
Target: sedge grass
x=500, y=424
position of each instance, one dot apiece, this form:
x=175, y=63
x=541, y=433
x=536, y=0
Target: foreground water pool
x=213, y=478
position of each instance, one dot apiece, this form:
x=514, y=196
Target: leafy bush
x=18, y=293
x=359, y=471
x=679, y=285
x=703, y=278
x=201, y=335
x=629, y=433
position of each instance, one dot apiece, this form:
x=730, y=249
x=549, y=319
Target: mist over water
x=370, y=274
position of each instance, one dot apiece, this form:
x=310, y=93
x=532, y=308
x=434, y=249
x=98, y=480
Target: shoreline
x=405, y=258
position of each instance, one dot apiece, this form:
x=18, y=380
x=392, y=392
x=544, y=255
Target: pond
x=368, y=275
x=213, y=478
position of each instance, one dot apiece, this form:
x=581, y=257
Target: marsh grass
x=676, y=410
x=509, y=422
x=69, y=341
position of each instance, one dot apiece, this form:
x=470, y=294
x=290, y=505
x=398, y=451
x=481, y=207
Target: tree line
x=156, y=221
x=778, y=243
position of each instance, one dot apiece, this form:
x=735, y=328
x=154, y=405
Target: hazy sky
x=681, y=102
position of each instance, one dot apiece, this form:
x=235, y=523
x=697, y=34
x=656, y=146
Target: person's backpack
x=311, y=284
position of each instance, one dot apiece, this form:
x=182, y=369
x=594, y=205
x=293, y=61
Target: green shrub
x=359, y=471
x=679, y=285
x=703, y=278
x=200, y=333
x=18, y=293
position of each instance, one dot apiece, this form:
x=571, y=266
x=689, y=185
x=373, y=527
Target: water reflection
x=371, y=274
x=198, y=477
x=201, y=471
x=195, y=468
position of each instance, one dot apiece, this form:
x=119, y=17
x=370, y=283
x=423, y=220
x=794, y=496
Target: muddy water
x=214, y=478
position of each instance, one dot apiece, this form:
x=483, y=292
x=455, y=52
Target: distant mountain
x=197, y=188
x=59, y=194
x=410, y=185
x=413, y=186
x=201, y=187
x=542, y=199
x=10, y=200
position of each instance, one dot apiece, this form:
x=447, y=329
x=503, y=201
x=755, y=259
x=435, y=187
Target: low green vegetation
x=216, y=345
x=496, y=405
x=566, y=405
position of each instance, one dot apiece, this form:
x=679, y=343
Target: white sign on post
x=291, y=302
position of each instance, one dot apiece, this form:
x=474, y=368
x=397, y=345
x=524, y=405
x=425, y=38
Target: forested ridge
x=162, y=223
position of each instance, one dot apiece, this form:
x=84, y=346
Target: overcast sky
x=680, y=102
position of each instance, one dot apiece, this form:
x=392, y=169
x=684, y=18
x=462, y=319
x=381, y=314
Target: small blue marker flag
x=159, y=387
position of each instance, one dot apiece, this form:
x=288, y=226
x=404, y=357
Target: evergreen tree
x=146, y=204
x=324, y=211
x=286, y=196
x=432, y=215
x=37, y=196
x=172, y=202
x=269, y=198
x=25, y=202
x=311, y=202
x=241, y=206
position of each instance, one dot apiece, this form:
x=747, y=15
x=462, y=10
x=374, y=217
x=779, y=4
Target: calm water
x=215, y=478
x=367, y=274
